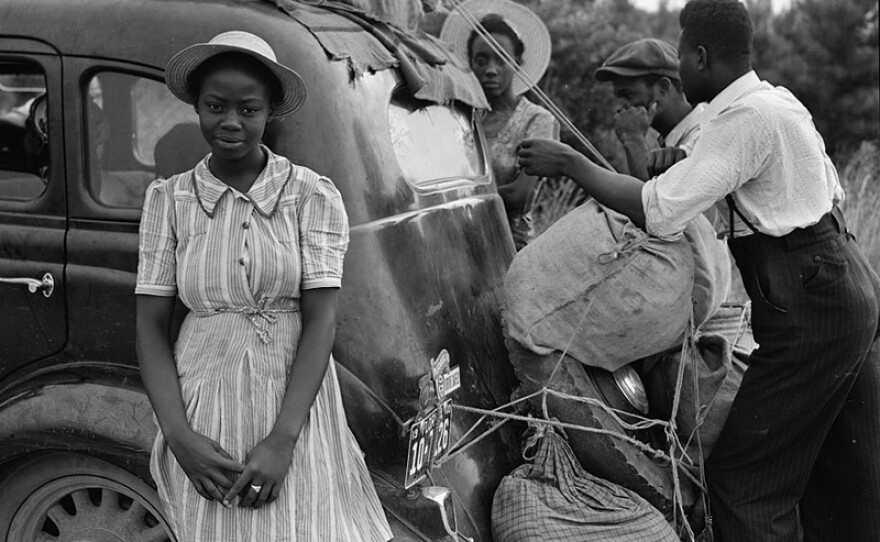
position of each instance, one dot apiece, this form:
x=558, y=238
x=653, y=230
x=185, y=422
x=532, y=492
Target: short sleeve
x=542, y=126
x=157, y=266
x=323, y=236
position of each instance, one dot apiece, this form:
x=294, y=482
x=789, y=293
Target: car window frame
x=80, y=70
x=52, y=200
x=401, y=91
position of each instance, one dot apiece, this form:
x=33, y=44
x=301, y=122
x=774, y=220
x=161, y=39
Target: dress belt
x=259, y=315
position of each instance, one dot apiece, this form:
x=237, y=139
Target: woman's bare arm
x=204, y=460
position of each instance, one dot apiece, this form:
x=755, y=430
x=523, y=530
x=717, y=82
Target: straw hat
x=527, y=25
x=181, y=65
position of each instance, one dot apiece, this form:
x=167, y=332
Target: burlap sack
x=600, y=288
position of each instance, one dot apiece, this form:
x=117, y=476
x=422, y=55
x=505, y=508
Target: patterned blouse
x=504, y=131
x=301, y=225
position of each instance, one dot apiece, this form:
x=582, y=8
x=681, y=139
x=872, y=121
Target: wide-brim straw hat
x=181, y=66
x=528, y=26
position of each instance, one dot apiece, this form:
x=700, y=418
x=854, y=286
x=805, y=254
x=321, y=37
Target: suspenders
x=731, y=205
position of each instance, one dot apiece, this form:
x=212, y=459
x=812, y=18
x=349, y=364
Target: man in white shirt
x=799, y=451
x=644, y=74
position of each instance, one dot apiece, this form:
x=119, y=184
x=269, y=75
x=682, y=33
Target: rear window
x=436, y=146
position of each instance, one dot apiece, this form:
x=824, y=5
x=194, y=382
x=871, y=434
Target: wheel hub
x=86, y=508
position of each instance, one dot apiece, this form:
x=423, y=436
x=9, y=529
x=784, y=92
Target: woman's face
x=493, y=73
x=233, y=107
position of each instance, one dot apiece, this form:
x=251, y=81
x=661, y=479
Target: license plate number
x=428, y=440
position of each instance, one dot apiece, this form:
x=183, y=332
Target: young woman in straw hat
x=253, y=442
x=513, y=118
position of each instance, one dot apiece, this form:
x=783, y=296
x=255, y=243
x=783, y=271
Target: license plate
x=428, y=440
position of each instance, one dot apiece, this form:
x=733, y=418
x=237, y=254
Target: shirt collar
x=685, y=126
x=264, y=193
x=730, y=94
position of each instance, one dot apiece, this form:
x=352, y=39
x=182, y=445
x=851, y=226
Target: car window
x=24, y=152
x=434, y=144
x=137, y=131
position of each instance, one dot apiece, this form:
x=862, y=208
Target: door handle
x=47, y=285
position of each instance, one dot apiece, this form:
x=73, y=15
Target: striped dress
x=238, y=262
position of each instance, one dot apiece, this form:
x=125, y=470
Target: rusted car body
x=429, y=248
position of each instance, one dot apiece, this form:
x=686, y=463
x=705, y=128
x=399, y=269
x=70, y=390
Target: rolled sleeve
x=725, y=157
x=157, y=264
x=323, y=236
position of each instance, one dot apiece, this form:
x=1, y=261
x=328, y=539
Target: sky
x=651, y=5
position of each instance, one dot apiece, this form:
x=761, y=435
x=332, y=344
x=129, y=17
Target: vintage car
x=86, y=123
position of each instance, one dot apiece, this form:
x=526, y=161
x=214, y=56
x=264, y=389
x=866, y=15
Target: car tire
x=68, y=496
x=600, y=454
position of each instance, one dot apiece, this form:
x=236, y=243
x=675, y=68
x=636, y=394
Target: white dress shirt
x=687, y=131
x=758, y=142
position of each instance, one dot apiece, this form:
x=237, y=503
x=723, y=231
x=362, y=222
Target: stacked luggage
x=598, y=312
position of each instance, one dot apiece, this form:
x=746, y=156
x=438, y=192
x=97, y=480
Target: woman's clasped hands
x=216, y=476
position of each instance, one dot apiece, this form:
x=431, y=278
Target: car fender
x=102, y=410
x=94, y=408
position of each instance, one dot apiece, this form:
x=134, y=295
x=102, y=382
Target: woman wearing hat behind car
x=513, y=118
x=253, y=441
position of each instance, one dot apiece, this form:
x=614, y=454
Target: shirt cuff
x=321, y=282
x=654, y=223
x=160, y=290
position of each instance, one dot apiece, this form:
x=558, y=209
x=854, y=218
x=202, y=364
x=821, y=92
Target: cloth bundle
x=596, y=286
x=705, y=409
x=605, y=293
x=555, y=499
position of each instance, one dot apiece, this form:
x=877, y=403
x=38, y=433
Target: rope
x=672, y=429
x=540, y=94
x=506, y=416
x=677, y=456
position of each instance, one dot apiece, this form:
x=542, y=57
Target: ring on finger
x=256, y=487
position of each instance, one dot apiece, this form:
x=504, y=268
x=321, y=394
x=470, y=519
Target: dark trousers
x=800, y=452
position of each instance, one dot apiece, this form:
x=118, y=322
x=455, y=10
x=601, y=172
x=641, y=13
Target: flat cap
x=643, y=57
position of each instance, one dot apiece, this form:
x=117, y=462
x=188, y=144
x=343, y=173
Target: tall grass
x=859, y=176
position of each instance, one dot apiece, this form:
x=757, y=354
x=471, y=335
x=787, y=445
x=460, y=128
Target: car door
x=128, y=129
x=33, y=218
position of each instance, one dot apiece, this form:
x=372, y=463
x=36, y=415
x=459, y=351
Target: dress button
x=817, y=259
x=241, y=261
x=246, y=225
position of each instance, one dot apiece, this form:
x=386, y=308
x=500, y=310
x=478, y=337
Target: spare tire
x=602, y=455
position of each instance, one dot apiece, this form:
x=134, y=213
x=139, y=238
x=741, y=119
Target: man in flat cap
x=646, y=83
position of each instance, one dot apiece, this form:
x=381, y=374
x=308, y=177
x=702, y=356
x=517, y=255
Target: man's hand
x=544, y=157
x=662, y=159
x=633, y=122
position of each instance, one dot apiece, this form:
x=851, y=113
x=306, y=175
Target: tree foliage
x=824, y=51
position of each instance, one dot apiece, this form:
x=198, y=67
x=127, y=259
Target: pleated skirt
x=233, y=386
